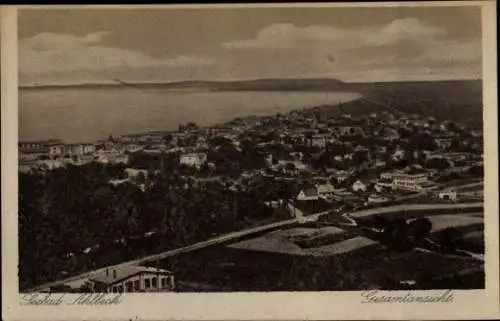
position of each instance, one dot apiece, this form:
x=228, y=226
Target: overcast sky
x=351, y=44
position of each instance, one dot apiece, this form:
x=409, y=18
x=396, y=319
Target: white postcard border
x=474, y=304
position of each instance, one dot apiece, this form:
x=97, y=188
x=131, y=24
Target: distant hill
x=256, y=84
x=312, y=84
x=460, y=100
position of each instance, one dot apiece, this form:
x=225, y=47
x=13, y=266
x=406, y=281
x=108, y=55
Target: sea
x=89, y=114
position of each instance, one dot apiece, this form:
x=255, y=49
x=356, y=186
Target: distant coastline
x=306, y=84
x=130, y=110
x=459, y=100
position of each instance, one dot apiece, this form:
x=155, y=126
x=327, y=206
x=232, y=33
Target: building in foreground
x=132, y=279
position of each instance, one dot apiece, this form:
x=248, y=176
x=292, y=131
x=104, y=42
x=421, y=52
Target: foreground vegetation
x=72, y=219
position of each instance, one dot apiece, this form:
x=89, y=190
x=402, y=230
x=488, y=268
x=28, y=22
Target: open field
x=317, y=242
x=412, y=211
x=333, y=241
x=442, y=222
x=470, y=189
x=454, y=100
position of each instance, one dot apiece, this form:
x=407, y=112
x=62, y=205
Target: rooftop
x=48, y=141
x=124, y=272
x=311, y=191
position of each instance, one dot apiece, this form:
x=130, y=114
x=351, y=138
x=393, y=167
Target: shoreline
x=217, y=123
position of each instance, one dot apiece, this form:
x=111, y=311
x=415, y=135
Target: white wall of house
x=451, y=195
x=193, y=159
x=303, y=197
x=359, y=186
x=143, y=282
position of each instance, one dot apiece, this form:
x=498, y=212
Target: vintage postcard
x=243, y=162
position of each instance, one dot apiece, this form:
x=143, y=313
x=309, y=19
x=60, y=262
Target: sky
x=66, y=46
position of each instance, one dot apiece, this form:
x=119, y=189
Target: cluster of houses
x=379, y=190
x=292, y=132
x=51, y=154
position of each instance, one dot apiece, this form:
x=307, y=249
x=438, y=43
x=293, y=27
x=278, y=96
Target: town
x=267, y=169
x=370, y=159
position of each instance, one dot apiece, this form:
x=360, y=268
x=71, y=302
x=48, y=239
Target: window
x=154, y=282
x=163, y=283
x=130, y=286
x=115, y=289
x=147, y=283
x=120, y=288
x=137, y=285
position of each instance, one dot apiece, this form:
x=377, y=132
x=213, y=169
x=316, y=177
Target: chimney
x=114, y=274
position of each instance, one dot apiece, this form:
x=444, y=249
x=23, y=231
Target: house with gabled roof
x=308, y=194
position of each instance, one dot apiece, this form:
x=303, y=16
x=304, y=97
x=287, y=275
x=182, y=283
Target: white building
x=52, y=148
x=448, y=195
x=411, y=181
x=341, y=176
x=359, y=186
x=56, y=150
x=317, y=141
x=80, y=149
x=112, y=158
x=132, y=279
x=193, y=159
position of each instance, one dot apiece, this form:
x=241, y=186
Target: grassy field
x=415, y=214
x=459, y=101
x=442, y=222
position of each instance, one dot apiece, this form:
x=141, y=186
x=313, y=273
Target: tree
x=476, y=171
x=396, y=234
x=140, y=178
x=450, y=239
x=168, y=138
x=456, y=145
x=420, y=227
x=191, y=125
x=290, y=167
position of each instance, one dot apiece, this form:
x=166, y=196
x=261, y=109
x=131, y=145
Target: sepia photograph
x=251, y=149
